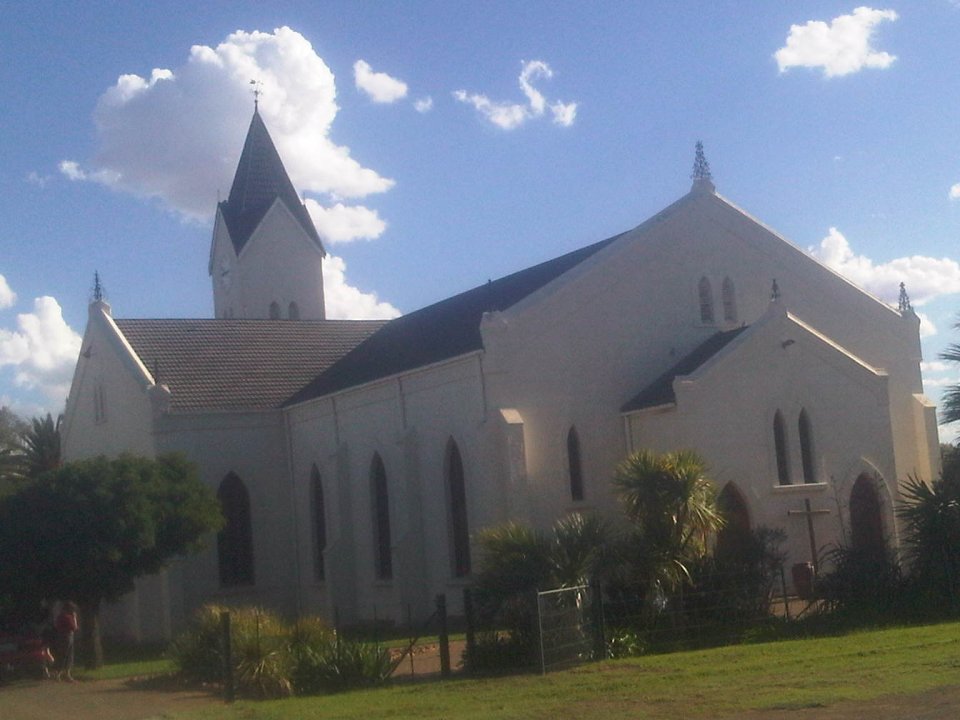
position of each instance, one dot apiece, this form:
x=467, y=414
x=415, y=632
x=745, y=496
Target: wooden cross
x=809, y=513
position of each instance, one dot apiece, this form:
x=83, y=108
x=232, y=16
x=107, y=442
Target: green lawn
x=730, y=681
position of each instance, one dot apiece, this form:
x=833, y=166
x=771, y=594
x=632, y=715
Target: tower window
x=574, y=465
x=706, y=300
x=274, y=311
x=294, y=311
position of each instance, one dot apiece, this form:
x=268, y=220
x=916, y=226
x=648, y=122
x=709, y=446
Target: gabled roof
x=259, y=181
x=217, y=365
x=660, y=391
x=438, y=332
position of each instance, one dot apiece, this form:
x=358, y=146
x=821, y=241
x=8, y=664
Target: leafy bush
x=274, y=659
x=334, y=664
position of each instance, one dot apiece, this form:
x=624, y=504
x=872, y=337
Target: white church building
x=356, y=459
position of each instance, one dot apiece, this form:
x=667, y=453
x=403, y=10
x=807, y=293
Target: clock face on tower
x=225, y=274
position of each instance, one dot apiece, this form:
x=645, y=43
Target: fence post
x=444, y=636
x=228, y=687
x=783, y=589
x=596, y=607
x=468, y=613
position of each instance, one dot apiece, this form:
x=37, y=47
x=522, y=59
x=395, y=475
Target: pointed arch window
x=735, y=538
x=457, y=512
x=235, y=540
x=293, y=311
x=729, y=298
x=318, y=511
x=866, y=519
x=780, y=443
x=274, y=311
x=706, y=300
x=383, y=557
x=806, y=448
x=574, y=465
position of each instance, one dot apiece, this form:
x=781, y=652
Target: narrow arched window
x=706, y=300
x=383, y=557
x=806, y=448
x=780, y=441
x=574, y=465
x=294, y=311
x=866, y=519
x=235, y=540
x=729, y=301
x=274, y=311
x=318, y=512
x=734, y=540
x=457, y=512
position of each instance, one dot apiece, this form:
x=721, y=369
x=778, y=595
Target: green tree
x=89, y=529
x=12, y=429
x=931, y=528
x=950, y=404
x=672, y=506
x=41, y=445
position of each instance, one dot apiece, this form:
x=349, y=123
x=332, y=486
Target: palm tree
x=950, y=404
x=931, y=519
x=672, y=505
x=41, y=445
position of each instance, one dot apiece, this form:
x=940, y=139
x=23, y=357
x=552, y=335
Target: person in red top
x=66, y=626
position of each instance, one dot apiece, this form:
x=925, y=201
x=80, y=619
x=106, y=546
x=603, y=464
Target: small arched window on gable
x=780, y=443
x=729, y=301
x=383, y=557
x=705, y=291
x=574, y=465
x=457, y=512
x=806, y=448
x=318, y=512
x=235, y=540
x=274, y=311
x=293, y=311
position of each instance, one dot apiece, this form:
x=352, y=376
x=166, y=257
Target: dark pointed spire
x=259, y=181
x=701, y=175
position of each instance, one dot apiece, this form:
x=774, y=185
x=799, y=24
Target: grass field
x=724, y=682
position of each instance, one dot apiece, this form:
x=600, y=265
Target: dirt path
x=101, y=700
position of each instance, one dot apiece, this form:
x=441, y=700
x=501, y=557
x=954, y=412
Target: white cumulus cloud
x=346, y=302
x=955, y=191
x=512, y=115
x=7, y=296
x=42, y=350
x=840, y=48
x=925, y=278
x=380, y=87
x=423, y=105
x=177, y=135
x=343, y=223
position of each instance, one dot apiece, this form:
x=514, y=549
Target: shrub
x=333, y=664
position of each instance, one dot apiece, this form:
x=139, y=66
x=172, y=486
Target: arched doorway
x=866, y=518
x=734, y=539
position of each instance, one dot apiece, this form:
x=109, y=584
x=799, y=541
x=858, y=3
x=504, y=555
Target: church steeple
x=260, y=180
x=266, y=258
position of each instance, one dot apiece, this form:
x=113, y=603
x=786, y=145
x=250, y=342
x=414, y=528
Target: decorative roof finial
x=97, y=292
x=903, y=304
x=257, y=92
x=701, y=175
x=774, y=291
x=701, y=168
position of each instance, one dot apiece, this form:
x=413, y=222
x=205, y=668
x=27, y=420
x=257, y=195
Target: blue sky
x=440, y=144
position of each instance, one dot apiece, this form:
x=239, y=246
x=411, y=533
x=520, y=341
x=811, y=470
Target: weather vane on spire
x=701, y=168
x=257, y=92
